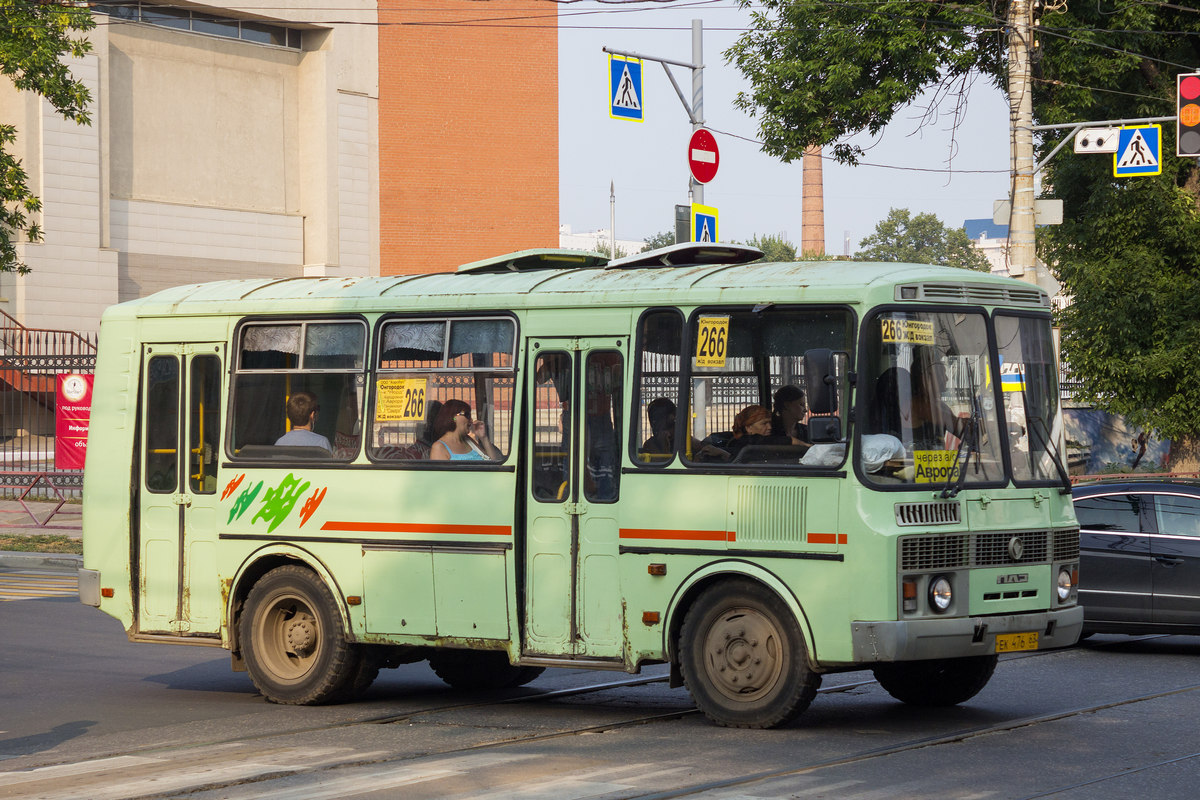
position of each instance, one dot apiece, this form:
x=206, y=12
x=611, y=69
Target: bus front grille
x=992, y=549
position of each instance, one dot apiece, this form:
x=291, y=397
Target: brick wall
x=468, y=131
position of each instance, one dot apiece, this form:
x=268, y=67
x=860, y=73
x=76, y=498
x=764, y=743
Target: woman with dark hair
x=789, y=414
x=458, y=438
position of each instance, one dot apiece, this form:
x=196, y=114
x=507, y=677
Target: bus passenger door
x=572, y=592
x=178, y=587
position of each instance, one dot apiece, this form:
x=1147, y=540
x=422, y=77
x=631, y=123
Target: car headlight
x=1065, y=584
x=940, y=593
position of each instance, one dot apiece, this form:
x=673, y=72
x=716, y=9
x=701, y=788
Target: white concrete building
x=225, y=142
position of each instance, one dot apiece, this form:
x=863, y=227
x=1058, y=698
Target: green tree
x=34, y=36
x=605, y=249
x=820, y=71
x=922, y=239
x=1128, y=251
x=775, y=248
x=663, y=239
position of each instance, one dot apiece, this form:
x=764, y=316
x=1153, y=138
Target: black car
x=1139, y=555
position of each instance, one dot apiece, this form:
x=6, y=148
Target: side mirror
x=823, y=430
x=820, y=381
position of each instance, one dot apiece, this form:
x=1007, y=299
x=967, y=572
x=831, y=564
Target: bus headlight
x=1064, y=584
x=940, y=593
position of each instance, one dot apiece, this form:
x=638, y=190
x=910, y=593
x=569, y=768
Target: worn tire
x=744, y=659
x=480, y=669
x=936, y=682
x=292, y=640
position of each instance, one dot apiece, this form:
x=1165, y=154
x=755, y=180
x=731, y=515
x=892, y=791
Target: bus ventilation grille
x=993, y=549
x=928, y=514
x=984, y=294
x=1066, y=545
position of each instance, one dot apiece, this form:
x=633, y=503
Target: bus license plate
x=1015, y=642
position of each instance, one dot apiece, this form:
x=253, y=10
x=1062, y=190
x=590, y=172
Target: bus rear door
x=176, y=574
x=572, y=595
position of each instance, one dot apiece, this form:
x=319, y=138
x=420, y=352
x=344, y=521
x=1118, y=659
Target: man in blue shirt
x=302, y=411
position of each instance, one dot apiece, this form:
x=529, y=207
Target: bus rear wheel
x=292, y=640
x=480, y=669
x=936, y=682
x=743, y=657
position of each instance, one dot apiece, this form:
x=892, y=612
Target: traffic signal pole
x=695, y=109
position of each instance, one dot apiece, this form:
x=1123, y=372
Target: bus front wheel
x=292, y=640
x=744, y=659
x=936, y=682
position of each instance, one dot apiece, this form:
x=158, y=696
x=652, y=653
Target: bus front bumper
x=920, y=639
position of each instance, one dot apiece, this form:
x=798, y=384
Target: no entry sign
x=703, y=156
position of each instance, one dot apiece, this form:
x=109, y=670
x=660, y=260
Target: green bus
x=757, y=473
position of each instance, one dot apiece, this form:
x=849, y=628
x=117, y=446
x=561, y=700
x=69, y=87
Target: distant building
x=992, y=240
x=592, y=240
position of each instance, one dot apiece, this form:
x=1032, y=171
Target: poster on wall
x=72, y=410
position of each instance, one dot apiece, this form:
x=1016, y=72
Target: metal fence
x=30, y=361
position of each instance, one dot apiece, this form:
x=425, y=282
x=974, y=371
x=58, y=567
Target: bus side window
x=277, y=360
x=551, y=460
x=422, y=364
x=602, y=425
x=656, y=396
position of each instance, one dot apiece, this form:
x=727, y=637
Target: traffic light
x=1187, y=97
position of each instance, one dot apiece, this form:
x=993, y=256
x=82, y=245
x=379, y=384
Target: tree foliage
x=775, y=248
x=663, y=239
x=922, y=239
x=820, y=71
x=1128, y=251
x=34, y=36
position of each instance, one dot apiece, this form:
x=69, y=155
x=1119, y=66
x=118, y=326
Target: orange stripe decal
x=693, y=536
x=826, y=538
x=416, y=527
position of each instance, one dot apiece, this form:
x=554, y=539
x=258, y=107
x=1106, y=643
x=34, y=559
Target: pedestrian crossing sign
x=625, y=88
x=1139, y=151
x=704, y=223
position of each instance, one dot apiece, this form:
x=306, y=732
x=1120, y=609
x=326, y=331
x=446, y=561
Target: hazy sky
x=755, y=193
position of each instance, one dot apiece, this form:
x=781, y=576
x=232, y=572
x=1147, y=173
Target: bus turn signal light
x=106, y=592
x=649, y=617
x=657, y=569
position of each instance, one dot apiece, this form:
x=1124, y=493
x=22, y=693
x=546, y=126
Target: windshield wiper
x=1044, y=435
x=970, y=438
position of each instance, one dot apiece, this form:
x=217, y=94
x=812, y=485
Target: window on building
x=201, y=21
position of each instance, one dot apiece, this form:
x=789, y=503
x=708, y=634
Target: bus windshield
x=929, y=413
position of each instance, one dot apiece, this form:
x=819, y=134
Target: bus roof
x=537, y=279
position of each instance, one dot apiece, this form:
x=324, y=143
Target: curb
x=61, y=562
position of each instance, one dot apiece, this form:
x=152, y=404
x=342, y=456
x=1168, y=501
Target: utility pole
x=1022, y=252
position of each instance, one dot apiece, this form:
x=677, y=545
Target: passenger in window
x=931, y=419
x=752, y=426
x=661, y=413
x=661, y=444
x=302, y=411
x=790, y=411
x=458, y=438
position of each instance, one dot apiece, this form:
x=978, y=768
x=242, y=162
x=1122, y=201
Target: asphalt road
x=86, y=713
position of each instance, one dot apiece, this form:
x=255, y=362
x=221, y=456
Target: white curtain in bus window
x=423, y=364
x=324, y=359
x=751, y=363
